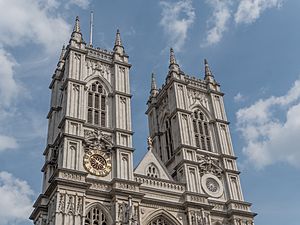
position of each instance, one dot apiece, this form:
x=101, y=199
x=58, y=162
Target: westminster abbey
x=189, y=175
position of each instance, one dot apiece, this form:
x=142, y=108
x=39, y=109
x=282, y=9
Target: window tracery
x=168, y=139
x=201, y=131
x=95, y=216
x=96, y=107
x=152, y=171
x=160, y=221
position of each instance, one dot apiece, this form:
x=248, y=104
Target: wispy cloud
x=9, y=88
x=243, y=12
x=29, y=21
x=177, y=18
x=267, y=138
x=239, y=97
x=54, y=4
x=7, y=142
x=16, y=203
x=80, y=3
x=250, y=10
x=218, y=22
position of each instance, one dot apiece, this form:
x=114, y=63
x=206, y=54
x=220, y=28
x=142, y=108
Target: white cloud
x=16, y=203
x=80, y=3
x=177, y=18
x=8, y=86
x=23, y=22
x=218, y=21
x=239, y=97
x=243, y=11
x=250, y=10
x=7, y=142
x=269, y=139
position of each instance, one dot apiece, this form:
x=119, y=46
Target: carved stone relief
x=199, y=217
x=70, y=204
x=209, y=165
x=197, y=97
x=98, y=68
x=97, y=140
x=127, y=212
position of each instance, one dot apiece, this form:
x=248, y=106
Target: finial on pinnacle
x=205, y=62
x=153, y=82
x=153, y=91
x=118, y=41
x=77, y=25
x=172, y=57
x=150, y=143
x=208, y=74
x=63, y=51
x=207, y=69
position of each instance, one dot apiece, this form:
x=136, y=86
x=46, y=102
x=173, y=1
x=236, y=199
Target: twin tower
x=189, y=174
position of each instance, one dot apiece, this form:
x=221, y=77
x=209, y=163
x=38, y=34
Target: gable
x=151, y=166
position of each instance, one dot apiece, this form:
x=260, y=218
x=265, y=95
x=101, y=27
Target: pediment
x=150, y=159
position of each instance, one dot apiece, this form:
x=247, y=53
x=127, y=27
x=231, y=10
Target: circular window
x=212, y=185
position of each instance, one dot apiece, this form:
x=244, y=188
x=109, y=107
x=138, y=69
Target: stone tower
x=189, y=131
x=188, y=175
x=89, y=134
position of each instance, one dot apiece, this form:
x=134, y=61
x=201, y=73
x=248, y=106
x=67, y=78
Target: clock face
x=212, y=185
x=97, y=163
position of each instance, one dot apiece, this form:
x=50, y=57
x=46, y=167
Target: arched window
x=160, y=221
x=168, y=139
x=201, y=130
x=152, y=171
x=96, y=110
x=95, y=216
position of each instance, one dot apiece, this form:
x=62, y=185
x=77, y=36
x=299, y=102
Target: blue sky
x=252, y=47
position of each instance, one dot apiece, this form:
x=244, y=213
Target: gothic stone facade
x=189, y=174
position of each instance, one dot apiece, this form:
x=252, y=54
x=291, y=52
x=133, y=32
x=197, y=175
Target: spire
x=77, y=25
x=118, y=48
x=153, y=91
x=153, y=82
x=208, y=74
x=118, y=41
x=61, y=57
x=173, y=64
x=172, y=57
x=63, y=51
x=76, y=34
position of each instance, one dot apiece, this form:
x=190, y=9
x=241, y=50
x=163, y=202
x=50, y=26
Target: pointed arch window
x=96, y=105
x=160, y=221
x=201, y=131
x=95, y=216
x=152, y=171
x=168, y=139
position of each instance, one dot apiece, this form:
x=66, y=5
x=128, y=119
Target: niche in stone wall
x=181, y=100
x=122, y=80
x=224, y=139
x=72, y=156
x=235, y=188
x=124, y=166
x=185, y=129
x=123, y=113
x=77, y=66
x=219, y=110
x=193, y=180
x=123, y=140
x=75, y=101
